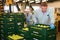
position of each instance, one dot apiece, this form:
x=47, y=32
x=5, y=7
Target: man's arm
x=52, y=18
x=34, y=17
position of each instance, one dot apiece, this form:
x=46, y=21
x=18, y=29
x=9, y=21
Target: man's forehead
x=43, y=6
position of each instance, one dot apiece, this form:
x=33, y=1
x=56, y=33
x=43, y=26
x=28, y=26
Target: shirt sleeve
x=34, y=17
x=51, y=14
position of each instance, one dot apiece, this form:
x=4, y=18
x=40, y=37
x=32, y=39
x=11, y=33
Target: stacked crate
x=25, y=33
x=42, y=32
x=2, y=26
x=13, y=23
x=10, y=24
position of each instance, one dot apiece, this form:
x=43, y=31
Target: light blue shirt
x=28, y=18
x=44, y=18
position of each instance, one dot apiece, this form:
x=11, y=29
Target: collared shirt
x=28, y=16
x=44, y=18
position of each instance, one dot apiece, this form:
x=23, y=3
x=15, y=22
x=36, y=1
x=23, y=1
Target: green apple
x=41, y=26
x=38, y=25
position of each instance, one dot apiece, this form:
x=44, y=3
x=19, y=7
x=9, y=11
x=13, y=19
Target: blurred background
x=18, y=6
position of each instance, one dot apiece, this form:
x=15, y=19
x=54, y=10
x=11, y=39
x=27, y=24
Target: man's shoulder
x=50, y=8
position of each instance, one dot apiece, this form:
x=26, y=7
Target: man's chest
x=43, y=15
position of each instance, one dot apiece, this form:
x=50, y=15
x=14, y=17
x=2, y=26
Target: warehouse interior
x=13, y=24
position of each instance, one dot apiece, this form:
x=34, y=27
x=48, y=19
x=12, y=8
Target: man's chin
x=43, y=11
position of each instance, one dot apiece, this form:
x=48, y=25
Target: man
x=28, y=15
x=44, y=15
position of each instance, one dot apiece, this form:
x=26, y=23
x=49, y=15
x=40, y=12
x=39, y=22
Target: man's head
x=27, y=10
x=44, y=6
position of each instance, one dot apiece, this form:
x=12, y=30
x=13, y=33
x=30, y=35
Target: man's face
x=44, y=8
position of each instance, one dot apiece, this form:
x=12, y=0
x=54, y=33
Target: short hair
x=43, y=4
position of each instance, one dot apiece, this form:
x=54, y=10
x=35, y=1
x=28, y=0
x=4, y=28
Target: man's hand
x=52, y=26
